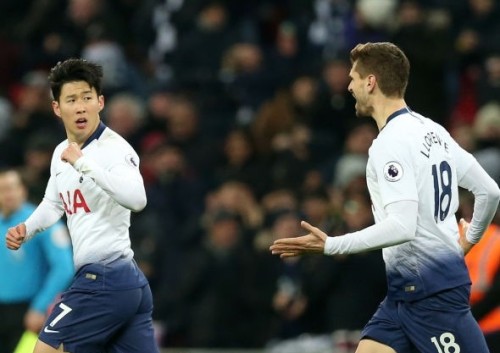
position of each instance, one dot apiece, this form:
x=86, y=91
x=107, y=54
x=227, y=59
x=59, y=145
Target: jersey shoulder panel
x=115, y=145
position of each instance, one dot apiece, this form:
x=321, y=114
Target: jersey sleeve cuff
x=78, y=165
x=330, y=246
x=473, y=238
x=84, y=165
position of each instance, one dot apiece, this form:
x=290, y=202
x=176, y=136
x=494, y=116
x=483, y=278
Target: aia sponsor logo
x=73, y=202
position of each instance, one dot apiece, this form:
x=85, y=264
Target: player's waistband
x=122, y=273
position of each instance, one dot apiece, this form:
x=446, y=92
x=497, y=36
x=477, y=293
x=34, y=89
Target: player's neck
x=81, y=139
x=384, y=108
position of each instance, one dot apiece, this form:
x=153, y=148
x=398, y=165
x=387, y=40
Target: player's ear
x=56, y=109
x=371, y=82
x=101, y=102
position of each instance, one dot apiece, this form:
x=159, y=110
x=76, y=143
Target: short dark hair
x=72, y=70
x=387, y=62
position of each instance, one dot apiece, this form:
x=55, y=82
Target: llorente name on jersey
x=432, y=139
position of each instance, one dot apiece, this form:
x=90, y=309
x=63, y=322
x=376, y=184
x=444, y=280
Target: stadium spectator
x=126, y=113
x=36, y=167
x=242, y=163
x=333, y=106
x=185, y=129
x=486, y=131
x=488, y=80
x=217, y=289
x=425, y=36
x=284, y=286
x=31, y=115
x=352, y=162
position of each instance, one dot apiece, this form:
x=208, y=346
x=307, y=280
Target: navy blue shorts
x=441, y=323
x=104, y=310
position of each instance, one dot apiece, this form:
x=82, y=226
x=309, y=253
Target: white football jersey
x=97, y=195
x=414, y=158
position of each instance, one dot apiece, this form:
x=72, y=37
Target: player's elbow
x=408, y=228
x=495, y=195
x=135, y=200
x=404, y=230
x=403, y=220
x=407, y=234
x=139, y=204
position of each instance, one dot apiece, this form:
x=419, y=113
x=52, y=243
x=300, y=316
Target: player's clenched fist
x=463, y=227
x=15, y=236
x=71, y=153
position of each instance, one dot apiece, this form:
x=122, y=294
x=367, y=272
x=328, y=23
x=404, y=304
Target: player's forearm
x=46, y=214
x=486, y=198
x=123, y=183
x=399, y=227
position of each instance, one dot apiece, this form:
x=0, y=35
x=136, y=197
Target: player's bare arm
x=311, y=243
x=15, y=236
x=71, y=153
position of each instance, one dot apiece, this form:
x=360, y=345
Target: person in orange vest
x=483, y=262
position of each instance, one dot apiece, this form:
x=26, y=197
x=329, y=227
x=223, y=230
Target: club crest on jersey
x=393, y=171
x=131, y=160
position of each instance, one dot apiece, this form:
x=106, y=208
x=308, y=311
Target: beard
x=363, y=110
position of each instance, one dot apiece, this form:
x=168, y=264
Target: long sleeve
x=399, y=227
x=48, y=212
x=122, y=182
x=486, y=198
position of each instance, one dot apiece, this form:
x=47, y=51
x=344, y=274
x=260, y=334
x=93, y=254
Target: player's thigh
x=137, y=336
x=371, y=346
x=383, y=332
x=440, y=335
x=443, y=323
x=86, y=321
x=42, y=347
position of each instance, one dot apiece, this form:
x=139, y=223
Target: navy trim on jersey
x=397, y=113
x=97, y=133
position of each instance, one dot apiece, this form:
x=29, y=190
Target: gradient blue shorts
x=108, y=308
x=437, y=324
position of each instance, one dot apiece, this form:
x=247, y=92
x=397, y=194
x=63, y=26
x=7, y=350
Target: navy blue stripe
x=397, y=113
x=97, y=133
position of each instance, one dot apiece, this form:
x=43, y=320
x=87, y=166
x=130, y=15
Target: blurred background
x=240, y=113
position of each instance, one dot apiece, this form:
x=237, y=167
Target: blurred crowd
x=240, y=113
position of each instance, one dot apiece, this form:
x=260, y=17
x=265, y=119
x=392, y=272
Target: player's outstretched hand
x=462, y=240
x=311, y=243
x=15, y=236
